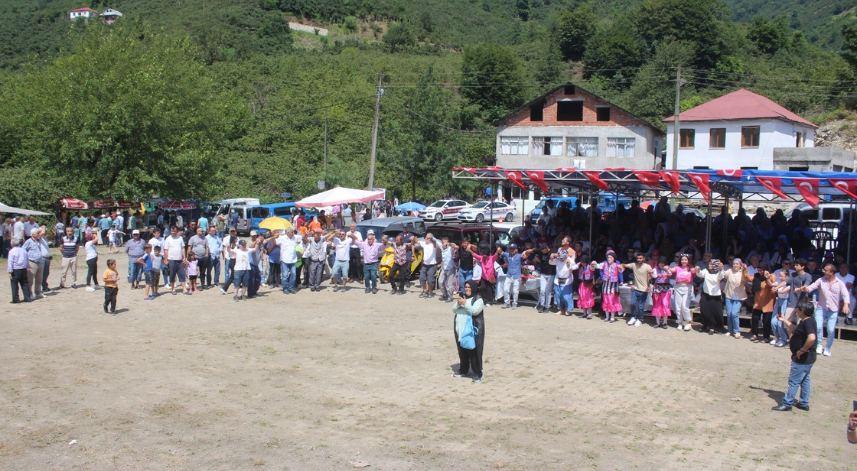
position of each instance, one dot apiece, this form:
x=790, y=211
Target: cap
x=252, y=233
x=513, y=246
x=655, y=252
x=370, y=232
x=233, y=229
x=135, y=232
x=318, y=230
x=242, y=242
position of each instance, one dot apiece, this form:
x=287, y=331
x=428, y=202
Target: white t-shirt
x=357, y=235
x=156, y=242
x=429, y=252
x=18, y=231
x=342, y=249
x=287, y=248
x=91, y=251
x=175, y=246
x=242, y=259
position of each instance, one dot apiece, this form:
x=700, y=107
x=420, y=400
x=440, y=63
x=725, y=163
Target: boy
x=157, y=266
x=148, y=266
x=111, y=286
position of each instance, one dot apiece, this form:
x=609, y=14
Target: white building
x=82, y=13
x=739, y=130
x=110, y=15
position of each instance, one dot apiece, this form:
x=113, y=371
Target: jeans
x=638, y=304
x=733, y=307
x=545, y=290
x=214, y=264
x=510, y=289
x=315, y=273
x=798, y=377
x=227, y=269
x=777, y=326
x=340, y=270
x=370, y=273
x=287, y=271
x=463, y=277
x=563, y=297
x=135, y=270
x=822, y=317
x=176, y=270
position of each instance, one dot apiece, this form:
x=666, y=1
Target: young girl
x=611, y=278
x=781, y=337
x=111, y=236
x=192, y=271
x=684, y=274
x=586, y=289
x=661, y=293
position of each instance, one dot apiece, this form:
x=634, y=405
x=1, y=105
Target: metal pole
x=850, y=228
x=325, y=149
x=375, y=135
x=725, y=241
x=491, y=223
x=677, y=121
x=708, y=222
x=591, y=215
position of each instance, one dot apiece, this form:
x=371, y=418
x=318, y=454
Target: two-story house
x=85, y=13
x=738, y=130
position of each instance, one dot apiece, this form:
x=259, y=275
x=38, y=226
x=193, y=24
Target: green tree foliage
x=574, y=29
x=127, y=113
x=399, y=37
x=769, y=36
x=523, y=7
x=849, y=49
x=615, y=49
x=493, y=78
x=652, y=95
x=693, y=21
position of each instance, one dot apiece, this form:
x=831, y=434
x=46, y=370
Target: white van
x=244, y=207
x=829, y=217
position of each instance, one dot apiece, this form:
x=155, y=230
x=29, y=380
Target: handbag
x=467, y=339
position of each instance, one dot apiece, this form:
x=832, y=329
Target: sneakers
x=540, y=309
x=423, y=294
x=514, y=306
x=367, y=291
x=826, y=352
x=148, y=298
x=631, y=321
x=679, y=327
x=374, y=290
x=819, y=349
x=780, y=343
x=477, y=379
x=637, y=323
x=167, y=286
x=235, y=298
x=335, y=288
x=687, y=327
x=222, y=291
x=504, y=306
x=90, y=289
x=196, y=291
x=773, y=342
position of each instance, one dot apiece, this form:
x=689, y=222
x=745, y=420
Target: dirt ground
x=338, y=380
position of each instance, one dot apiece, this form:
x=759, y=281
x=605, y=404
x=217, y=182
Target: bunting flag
x=773, y=184
x=650, y=179
x=847, y=186
x=701, y=182
x=493, y=169
x=672, y=178
x=808, y=188
x=515, y=176
x=730, y=173
x=464, y=169
x=566, y=169
x=595, y=178
x=538, y=179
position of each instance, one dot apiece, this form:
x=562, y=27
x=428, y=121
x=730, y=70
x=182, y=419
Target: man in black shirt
x=803, y=355
x=547, y=272
x=465, y=263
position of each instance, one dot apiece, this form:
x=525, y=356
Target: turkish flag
x=808, y=188
x=595, y=178
x=515, y=176
x=849, y=186
x=730, y=173
x=773, y=184
x=671, y=177
x=538, y=179
x=493, y=169
x=566, y=169
x=650, y=179
x=465, y=169
x=701, y=182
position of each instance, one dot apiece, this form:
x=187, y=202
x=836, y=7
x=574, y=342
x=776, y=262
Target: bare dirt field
x=337, y=380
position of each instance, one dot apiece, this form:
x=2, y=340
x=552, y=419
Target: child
x=586, y=289
x=241, y=256
x=146, y=261
x=111, y=236
x=157, y=266
x=661, y=293
x=192, y=271
x=111, y=286
x=781, y=336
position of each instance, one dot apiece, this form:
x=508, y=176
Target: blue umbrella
x=410, y=206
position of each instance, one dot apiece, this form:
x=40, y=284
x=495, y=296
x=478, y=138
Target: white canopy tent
x=339, y=195
x=25, y=212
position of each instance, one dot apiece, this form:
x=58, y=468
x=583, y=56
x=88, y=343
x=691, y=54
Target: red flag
x=614, y=169
x=515, y=176
x=672, y=178
x=701, y=182
x=538, y=179
x=493, y=169
x=730, y=173
x=808, y=188
x=773, y=184
x=595, y=178
x=650, y=179
x=566, y=169
x=464, y=169
x=849, y=186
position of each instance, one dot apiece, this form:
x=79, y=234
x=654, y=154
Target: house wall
x=773, y=133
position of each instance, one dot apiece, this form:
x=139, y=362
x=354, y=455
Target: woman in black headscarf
x=470, y=305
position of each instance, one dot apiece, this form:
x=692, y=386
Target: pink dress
x=586, y=291
x=661, y=293
x=611, y=277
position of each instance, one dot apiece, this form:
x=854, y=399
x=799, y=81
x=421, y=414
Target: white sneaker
x=630, y=321
x=679, y=326
x=819, y=349
x=90, y=288
x=780, y=343
x=773, y=342
x=687, y=327
x=637, y=323
x=826, y=352
x=167, y=286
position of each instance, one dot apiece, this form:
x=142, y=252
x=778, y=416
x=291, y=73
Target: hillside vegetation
x=209, y=98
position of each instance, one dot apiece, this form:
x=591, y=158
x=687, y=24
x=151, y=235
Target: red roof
x=741, y=104
x=85, y=9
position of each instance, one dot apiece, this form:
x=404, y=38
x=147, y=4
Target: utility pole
x=325, y=148
x=375, y=135
x=677, y=111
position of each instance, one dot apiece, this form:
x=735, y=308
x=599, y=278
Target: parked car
x=828, y=217
x=472, y=232
x=486, y=210
x=537, y=211
x=608, y=201
x=392, y=226
x=443, y=209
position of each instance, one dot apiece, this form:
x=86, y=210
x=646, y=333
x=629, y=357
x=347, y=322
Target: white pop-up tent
x=339, y=195
x=26, y=212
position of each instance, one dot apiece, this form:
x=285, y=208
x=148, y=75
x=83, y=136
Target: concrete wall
x=773, y=134
x=818, y=159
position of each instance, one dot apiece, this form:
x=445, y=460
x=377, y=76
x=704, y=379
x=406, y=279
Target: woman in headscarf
x=611, y=278
x=470, y=305
x=736, y=293
x=709, y=302
x=764, y=287
x=661, y=292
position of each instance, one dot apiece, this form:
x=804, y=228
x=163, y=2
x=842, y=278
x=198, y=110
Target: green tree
x=769, y=36
x=574, y=29
x=693, y=21
x=399, y=37
x=523, y=9
x=493, y=78
x=127, y=113
x=652, y=95
x=615, y=49
x=849, y=48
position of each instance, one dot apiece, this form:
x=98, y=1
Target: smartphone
x=855, y=405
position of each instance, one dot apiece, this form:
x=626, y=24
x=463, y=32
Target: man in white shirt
x=355, y=263
x=288, y=244
x=174, y=254
x=342, y=249
x=428, y=272
x=18, y=229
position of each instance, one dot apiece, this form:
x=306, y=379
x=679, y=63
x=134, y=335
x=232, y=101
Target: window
x=749, y=168
x=579, y=164
x=798, y=169
x=687, y=138
x=831, y=214
x=750, y=136
x=514, y=145
x=281, y=212
x=620, y=147
x=547, y=146
x=700, y=167
x=602, y=113
x=582, y=147
x=799, y=139
x=717, y=138
x=569, y=110
x=537, y=111
x=259, y=212
x=569, y=90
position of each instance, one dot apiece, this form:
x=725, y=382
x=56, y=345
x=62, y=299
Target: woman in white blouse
x=709, y=303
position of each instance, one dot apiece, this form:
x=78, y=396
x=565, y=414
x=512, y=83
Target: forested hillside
x=208, y=98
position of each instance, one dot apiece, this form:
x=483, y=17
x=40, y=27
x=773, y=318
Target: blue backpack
x=467, y=339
